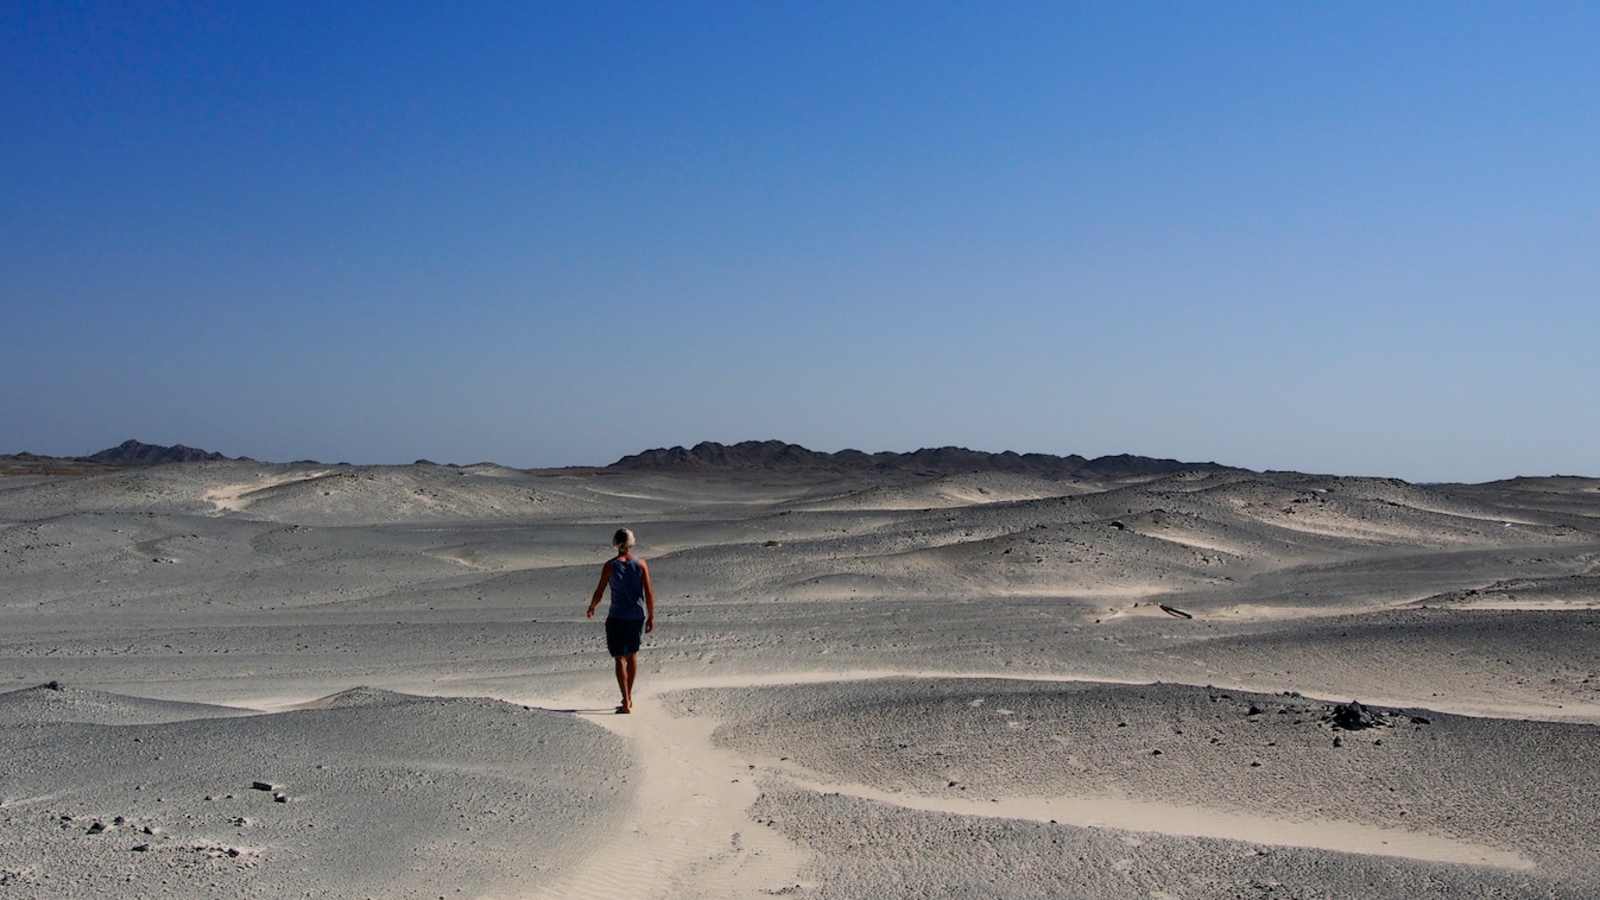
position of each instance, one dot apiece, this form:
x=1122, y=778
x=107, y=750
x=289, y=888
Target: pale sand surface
x=833, y=650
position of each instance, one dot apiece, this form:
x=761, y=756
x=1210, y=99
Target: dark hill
x=138, y=453
x=770, y=455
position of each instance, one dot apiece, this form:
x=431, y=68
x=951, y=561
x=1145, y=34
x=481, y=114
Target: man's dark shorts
x=623, y=636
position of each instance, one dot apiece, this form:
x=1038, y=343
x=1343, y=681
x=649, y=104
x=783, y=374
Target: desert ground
x=929, y=677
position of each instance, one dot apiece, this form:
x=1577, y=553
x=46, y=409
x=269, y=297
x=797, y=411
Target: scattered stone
x=1338, y=741
x=1421, y=720
x=233, y=851
x=1118, y=525
x=1155, y=752
x=263, y=786
x=280, y=798
x=141, y=848
x=53, y=685
x=1255, y=710
x=119, y=820
x=96, y=828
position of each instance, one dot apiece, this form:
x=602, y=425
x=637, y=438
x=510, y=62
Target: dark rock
x=96, y=828
x=1353, y=716
x=263, y=786
x=141, y=848
x=280, y=798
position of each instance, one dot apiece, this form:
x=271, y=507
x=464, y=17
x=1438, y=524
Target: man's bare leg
x=627, y=691
x=624, y=681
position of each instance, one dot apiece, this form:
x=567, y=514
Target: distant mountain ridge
x=769, y=455
x=127, y=454
x=137, y=453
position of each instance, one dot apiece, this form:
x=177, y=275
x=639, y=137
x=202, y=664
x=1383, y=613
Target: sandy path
x=688, y=834
x=1128, y=814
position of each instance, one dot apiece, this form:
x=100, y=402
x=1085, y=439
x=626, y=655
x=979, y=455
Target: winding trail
x=688, y=833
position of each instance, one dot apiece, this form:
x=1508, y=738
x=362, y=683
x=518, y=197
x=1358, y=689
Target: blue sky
x=1359, y=239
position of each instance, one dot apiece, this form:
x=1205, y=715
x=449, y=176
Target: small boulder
x=1353, y=716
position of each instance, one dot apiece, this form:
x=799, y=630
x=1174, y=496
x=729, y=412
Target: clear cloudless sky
x=1355, y=237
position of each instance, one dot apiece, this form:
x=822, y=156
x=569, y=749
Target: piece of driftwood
x=1174, y=611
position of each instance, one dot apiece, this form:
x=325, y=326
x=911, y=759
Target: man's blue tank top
x=627, y=590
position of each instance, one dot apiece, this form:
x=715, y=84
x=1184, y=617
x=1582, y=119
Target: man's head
x=623, y=540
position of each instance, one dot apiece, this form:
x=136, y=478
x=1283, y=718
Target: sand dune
x=55, y=703
x=833, y=627
x=398, y=796
x=947, y=491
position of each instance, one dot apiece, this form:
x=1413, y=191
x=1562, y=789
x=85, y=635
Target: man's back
x=627, y=589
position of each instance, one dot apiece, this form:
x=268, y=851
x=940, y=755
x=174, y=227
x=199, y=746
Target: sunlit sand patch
x=236, y=497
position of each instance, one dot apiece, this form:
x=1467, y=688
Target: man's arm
x=649, y=600
x=599, y=590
